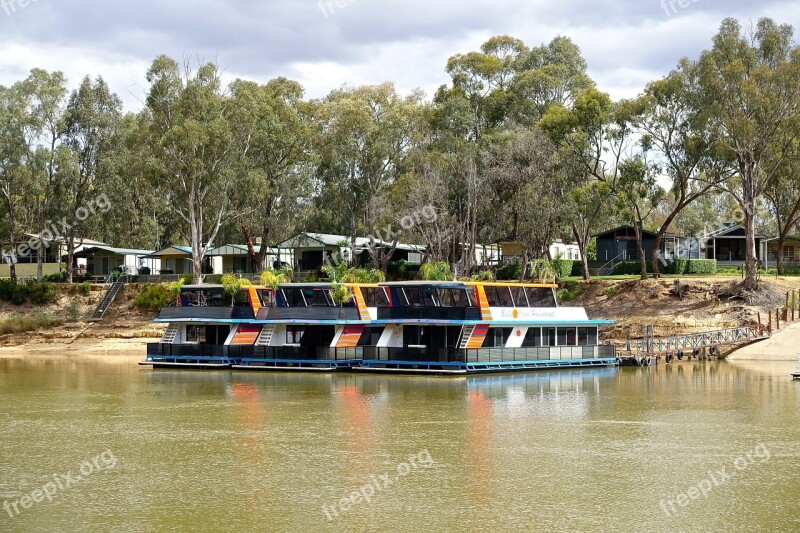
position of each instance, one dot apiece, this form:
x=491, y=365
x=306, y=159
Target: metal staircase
x=265, y=337
x=466, y=334
x=170, y=334
x=110, y=291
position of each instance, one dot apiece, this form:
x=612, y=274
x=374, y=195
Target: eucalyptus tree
x=91, y=131
x=139, y=219
x=526, y=163
x=364, y=137
x=13, y=178
x=674, y=124
x=273, y=133
x=639, y=196
x=751, y=88
x=594, y=134
x=192, y=140
x=45, y=98
x=782, y=195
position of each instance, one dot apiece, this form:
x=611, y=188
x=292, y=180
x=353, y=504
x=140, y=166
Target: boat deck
x=416, y=367
x=315, y=365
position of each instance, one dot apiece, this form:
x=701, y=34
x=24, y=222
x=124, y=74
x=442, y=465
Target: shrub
x=577, y=269
x=628, y=268
x=22, y=324
x=85, y=288
x=612, y=291
x=562, y=267
x=41, y=293
x=60, y=277
x=483, y=275
x=570, y=292
x=72, y=311
x=511, y=271
x=691, y=266
x=37, y=293
x=153, y=297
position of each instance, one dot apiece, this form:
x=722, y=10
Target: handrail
x=696, y=341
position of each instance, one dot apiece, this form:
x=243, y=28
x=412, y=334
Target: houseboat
x=412, y=327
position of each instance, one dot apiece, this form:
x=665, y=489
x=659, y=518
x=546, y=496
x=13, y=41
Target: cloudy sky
x=325, y=44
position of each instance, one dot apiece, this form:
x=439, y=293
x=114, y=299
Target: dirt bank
x=633, y=304
x=125, y=330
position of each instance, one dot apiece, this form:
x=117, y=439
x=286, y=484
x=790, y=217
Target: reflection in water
x=585, y=449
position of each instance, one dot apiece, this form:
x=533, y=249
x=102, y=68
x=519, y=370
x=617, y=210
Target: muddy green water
x=684, y=447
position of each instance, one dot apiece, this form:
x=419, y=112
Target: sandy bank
x=784, y=345
x=93, y=347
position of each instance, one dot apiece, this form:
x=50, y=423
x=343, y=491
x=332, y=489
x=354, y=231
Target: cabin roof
x=90, y=250
x=612, y=232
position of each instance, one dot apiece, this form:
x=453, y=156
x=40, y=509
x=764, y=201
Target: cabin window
x=316, y=297
x=414, y=297
x=375, y=297
x=567, y=337
x=548, y=336
x=533, y=338
x=497, y=337
x=294, y=298
x=242, y=299
x=540, y=297
x=587, y=336
x=267, y=298
x=520, y=300
x=195, y=334
x=429, y=297
x=446, y=298
x=414, y=336
x=370, y=337
x=294, y=334
x=499, y=296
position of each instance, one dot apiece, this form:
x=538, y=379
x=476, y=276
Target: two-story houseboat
x=437, y=327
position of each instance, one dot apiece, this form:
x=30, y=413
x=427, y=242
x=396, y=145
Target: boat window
x=375, y=297
x=429, y=297
x=294, y=334
x=492, y=298
x=371, y=336
x=468, y=295
x=540, y=297
x=267, y=298
x=504, y=294
x=497, y=337
x=533, y=338
x=414, y=336
x=567, y=337
x=548, y=336
x=587, y=336
x=519, y=297
x=316, y=297
x=242, y=299
x=294, y=297
x=446, y=297
x=414, y=297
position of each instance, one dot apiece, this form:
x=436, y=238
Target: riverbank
x=784, y=345
x=632, y=304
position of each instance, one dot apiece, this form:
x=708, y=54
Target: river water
x=99, y=444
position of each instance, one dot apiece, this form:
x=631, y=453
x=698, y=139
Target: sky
x=325, y=44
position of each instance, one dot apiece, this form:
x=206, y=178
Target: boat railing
x=374, y=353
